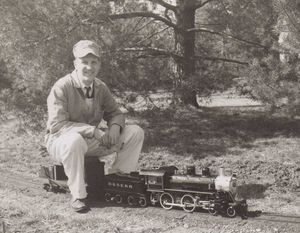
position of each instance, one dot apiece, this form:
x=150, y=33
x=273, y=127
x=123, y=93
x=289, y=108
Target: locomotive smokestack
x=221, y=171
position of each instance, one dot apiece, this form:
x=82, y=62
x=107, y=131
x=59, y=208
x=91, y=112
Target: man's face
x=87, y=68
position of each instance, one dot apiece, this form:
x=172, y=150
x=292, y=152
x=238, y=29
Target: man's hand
x=111, y=137
x=98, y=134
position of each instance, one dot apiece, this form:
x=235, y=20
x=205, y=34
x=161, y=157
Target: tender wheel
x=154, y=198
x=107, y=197
x=188, y=203
x=54, y=189
x=166, y=201
x=231, y=212
x=118, y=199
x=142, y=202
x=212, y=211
x=47, y=187
x=130, y=200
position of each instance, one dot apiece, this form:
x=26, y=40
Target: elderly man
x=76, y=105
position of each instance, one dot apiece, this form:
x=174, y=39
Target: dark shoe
x=79, y=205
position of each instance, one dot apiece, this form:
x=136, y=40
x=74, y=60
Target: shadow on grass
x=252, y=191
x=213, y=131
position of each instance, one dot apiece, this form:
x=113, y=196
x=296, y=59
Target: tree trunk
x=185, y=46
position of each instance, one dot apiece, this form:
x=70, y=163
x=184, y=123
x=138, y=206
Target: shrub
x=275, y=83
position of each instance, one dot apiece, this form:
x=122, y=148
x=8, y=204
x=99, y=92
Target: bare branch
x=136, y=29
x=137, y=24
x=153, y=34
x=164, y=4
x=227, y=35
x=30, y=17
x=289, y=17
x=152, y=51
x=221, y=59
x=202, y=3
x=163, y=52
x=143, y=26
x=147, y=14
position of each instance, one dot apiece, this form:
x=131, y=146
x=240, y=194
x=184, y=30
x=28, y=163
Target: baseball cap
x=84, y=47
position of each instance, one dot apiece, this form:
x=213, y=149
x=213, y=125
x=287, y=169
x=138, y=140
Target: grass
x=263, y=150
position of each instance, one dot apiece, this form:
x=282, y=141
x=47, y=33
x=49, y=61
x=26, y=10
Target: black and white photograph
x=149, y=116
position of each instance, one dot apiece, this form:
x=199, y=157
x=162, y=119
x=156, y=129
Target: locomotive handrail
x=189, y=191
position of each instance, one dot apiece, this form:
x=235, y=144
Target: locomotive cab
x=156, y=179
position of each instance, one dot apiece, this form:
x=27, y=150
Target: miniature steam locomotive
x=165, y=187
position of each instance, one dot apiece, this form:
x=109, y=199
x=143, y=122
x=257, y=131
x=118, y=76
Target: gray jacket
x=68, y=111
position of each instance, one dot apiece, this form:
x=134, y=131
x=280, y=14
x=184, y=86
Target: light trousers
x=71, y=148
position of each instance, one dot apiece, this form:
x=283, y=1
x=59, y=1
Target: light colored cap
x=84, y=47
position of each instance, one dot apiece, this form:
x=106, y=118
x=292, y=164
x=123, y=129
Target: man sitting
x=76, y=105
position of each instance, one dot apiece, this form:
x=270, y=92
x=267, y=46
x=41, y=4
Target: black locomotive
x=164, y=186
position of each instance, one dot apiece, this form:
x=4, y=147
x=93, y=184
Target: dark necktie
x=88, y=92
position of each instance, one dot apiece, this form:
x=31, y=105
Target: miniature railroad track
x=23, y=182
x=276, y=217
x=36, y=184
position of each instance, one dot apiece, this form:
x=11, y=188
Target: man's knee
x=135, y=131
x=74, y=142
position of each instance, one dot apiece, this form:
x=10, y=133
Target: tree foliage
x=36, y=44
x=184, y=46
x=37, y=40
x=274, y=77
